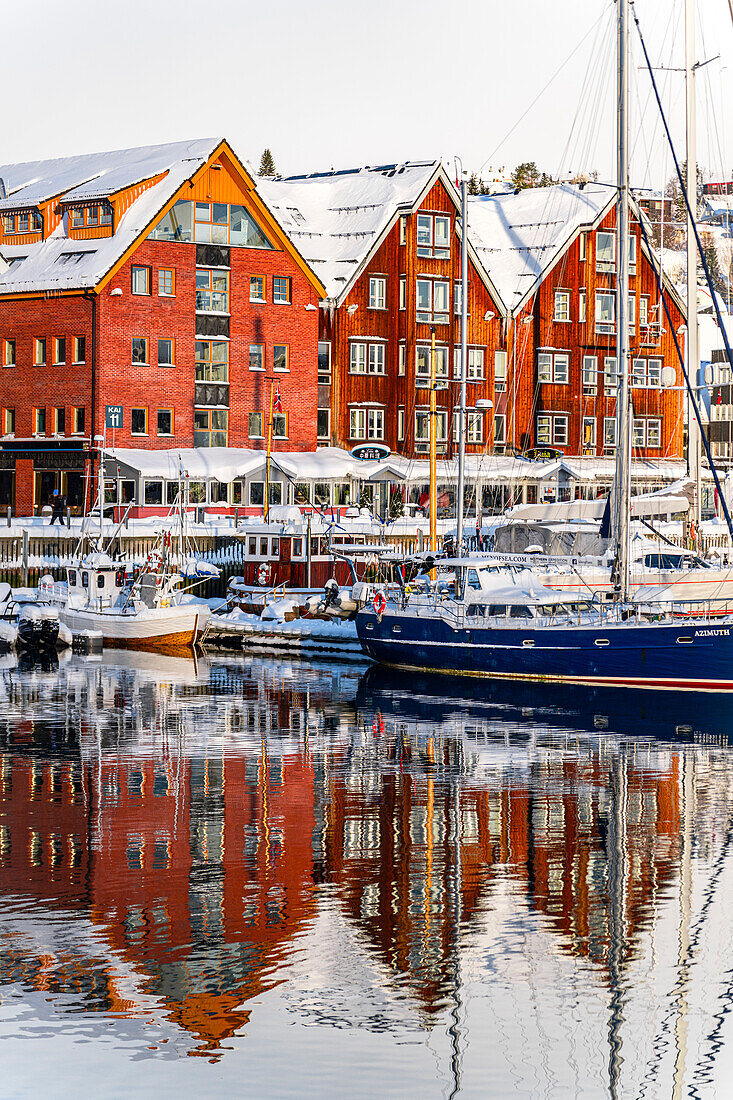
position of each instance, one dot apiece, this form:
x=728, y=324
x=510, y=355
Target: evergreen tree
x=267, y=164
x=473, y=185
x=526, y=174
x=710, y=253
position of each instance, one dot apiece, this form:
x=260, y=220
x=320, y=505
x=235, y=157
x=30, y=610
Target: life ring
x=379, y=603
x=263, y=574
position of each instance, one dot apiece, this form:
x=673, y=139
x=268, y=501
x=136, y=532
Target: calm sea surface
x=263, y=878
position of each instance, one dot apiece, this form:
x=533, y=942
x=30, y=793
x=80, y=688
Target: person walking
x=58, y=506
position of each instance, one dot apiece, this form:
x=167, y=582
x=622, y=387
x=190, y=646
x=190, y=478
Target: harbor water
x=253, y=877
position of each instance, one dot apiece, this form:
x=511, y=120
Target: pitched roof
x=520, y=236
x=60, y=263
x=335, y=219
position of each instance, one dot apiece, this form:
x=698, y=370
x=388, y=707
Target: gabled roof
x=337, y=220
x=95, y=175
x=519, y=237
x=60, y=263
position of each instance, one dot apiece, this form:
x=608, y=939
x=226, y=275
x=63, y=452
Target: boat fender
x=263, y=574
x=379, y=603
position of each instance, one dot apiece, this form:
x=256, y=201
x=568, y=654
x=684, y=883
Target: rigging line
x=542, y=91
x=707, y=278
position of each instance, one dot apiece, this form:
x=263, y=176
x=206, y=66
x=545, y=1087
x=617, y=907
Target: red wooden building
x=386, y=244
x=552, y=254
x=155, y=279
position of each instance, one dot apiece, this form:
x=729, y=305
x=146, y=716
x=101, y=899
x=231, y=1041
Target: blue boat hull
x=672, y=655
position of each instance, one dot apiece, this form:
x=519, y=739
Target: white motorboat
x=144, y=612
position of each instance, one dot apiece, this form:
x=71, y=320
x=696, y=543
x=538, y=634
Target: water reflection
x=192, y=845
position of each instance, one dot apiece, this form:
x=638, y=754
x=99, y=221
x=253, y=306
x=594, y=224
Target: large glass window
x=422, y=426
x=210, y=427
x=422, y=361
x=605, y=311
x=212, y=290
x=432, y=301
x=605, y=251
x=210, y=223
x=377, y=292
x=212, y=361
x=176, y=225
x=433, y=236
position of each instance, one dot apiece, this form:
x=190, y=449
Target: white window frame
x=610, y=374
x=499, y=428
x=377, y=292
x=562, y=306
x=500, y=365
x=400, y=423
x=376, y=359
x=609, y=433
x=357, y=423
x=553, y=368
x=606, y=264
x=582, y=306
x=590, y=373
x=358, y=357
x=605, y=326
x=589, y=421
x=657, y=423
x=403, y=292
x=375, y=424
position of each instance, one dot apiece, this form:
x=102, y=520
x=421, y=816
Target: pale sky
x=330, y=83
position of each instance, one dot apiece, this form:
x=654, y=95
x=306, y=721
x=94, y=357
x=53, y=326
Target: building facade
x=155, y=281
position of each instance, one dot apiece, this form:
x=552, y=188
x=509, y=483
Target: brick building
x=158, y=280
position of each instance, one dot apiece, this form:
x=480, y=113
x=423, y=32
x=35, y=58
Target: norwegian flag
x=278, y=405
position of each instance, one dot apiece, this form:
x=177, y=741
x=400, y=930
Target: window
x=256, y=356
x=422, y=362
x=654, y=433
x=324, y=363
x=257, y=288
x=375, y=423
x=403, y=291
x=105, y=215
x=551, y=429
x=9, y=353
x=605, y=251
x=79, y=420
x=139, y=349
x=499, y=371
x=474, y=425
x=609, y=433
x=165, y=353
x=256, y=499
x=212, y=361
x=255, y=425
x=400, y=424
x=646, y=373
x=77, y=217
x=165, y=422
x=582, y=246
x=166, y=282
x=366, y=423
x=59, y=421
x=9, y=223
x=422, y=426
x=9, y=421
x=553, y=367
x=376, y=358
x=632, y=254
x=610, y=374
x=80, y=345
x=279, y=426
x=457, y=297
x=475, y=364
x=140, y=280
x=59, y=349
x=212, y=291
x=590, y=373
x=562, y=305
x=280, y=357
x=589, y=434
x=432, y=301
x=138, y=421
x=638, y=433
x=323, y=429
x=605, y=311
x=403, y=230
x=402, y=359
x=500, y=428
x=39, y=352
x=643, y=312
x=638, y=372
x=281, y=288
x=357, y=358
x=581, y=305
x=210, y=427
x=433, y=236
x=39, y=421
x=357, y=423
x=377, y=292
x=632, y=314
x=213, y=223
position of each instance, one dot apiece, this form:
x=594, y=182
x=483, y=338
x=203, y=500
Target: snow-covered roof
x=59, y=263
x=336, y=218
x=519, y=237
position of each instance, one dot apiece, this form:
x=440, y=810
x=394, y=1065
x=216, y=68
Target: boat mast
x=623, y=432
x=694, y=455
x=433, y=451
x=464, y=367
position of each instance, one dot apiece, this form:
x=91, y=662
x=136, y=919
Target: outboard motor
x=38, y=627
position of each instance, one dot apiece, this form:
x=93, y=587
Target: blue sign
x=370, y=452
x=113, y=416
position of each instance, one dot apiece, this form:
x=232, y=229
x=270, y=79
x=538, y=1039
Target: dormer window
x=90, y=217
x=77, y=217
x=28, y=221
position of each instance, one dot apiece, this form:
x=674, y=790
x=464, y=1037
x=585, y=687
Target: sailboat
x=477, y=621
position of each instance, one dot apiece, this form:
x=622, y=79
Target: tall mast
x=623, y=427
x=433, y=452
x=464, y=367
x=694, y=456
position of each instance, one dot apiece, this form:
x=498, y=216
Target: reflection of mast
x=617, y=931
x=684, y=956
x=453, y=1029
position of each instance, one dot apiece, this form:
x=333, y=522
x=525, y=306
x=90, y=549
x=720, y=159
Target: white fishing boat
x=147, y=611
